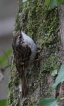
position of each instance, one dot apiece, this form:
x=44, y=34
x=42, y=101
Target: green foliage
x=4, y=57
x=48, y=102
x=3, y=102
x=60, y=77
x=53, y=3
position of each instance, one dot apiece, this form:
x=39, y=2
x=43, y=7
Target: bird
x=24, y=51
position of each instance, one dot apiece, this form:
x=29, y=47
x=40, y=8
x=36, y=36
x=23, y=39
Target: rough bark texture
x=42, y=25
x=61, y=20
x=61, y=53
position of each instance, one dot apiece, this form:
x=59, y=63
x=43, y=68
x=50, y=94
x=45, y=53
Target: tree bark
x=61, y=52
x=42, y=24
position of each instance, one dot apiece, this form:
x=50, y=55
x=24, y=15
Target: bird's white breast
x=28, y=41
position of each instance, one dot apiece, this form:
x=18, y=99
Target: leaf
x=47, y=2
x=60, y=77
x=48, y=102
x=58, y=98
x=3, y=102
x=24, y=0
x=54, y=3
x=5, y=56
x=54, y=73
x=59, y=1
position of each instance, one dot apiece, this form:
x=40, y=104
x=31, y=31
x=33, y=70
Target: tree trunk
x=42, y=24
x=61, y=52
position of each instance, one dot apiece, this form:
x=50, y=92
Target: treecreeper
x=24, y=51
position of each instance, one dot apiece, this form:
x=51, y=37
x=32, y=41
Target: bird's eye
x=19, y=36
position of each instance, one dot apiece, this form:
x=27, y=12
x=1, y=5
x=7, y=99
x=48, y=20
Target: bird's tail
x=24, y=85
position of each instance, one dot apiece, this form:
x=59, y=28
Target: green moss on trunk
x=41, y=23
